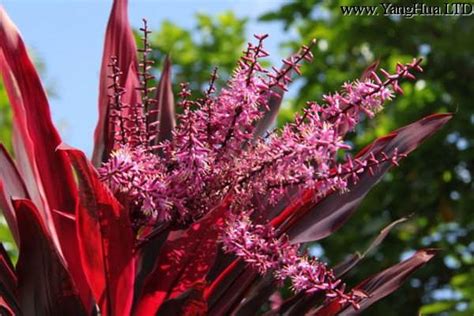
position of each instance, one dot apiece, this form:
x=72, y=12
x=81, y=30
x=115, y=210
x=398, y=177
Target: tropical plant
x=437, y=180
x=204, y=216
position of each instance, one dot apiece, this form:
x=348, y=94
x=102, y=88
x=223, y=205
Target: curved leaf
x=165, y=107
x=44, y=285
x=185, y=260
x=320, y=220
x=106, y=240
x=8, y=284
x=32, y=121
x=11, y=184
x=269, y=116
x=35, y=140
x=380, y=285
x=119, y=42
x=299, y=304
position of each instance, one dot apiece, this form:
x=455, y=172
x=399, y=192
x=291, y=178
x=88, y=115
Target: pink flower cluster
x=214, y=153
x=258, y=245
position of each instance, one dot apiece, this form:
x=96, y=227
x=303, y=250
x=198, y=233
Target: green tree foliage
x=435, y=182
x=212, y=42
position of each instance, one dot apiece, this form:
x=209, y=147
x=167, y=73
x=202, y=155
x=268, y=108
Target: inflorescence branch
x=145, y=77
x=115, y=104
x=207, y=159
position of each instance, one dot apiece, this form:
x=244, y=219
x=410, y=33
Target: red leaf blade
x=184, y=262
x=380, y=285
x=106, y=240
x=332, y=212
x=165, y=106
x=119, y=42
x=35, y=140
x=44, y=285
x=11, y=184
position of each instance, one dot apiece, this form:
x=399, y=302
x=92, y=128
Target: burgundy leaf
x=300, y=303
x=350, y=262
x=232, y=296
x=146, y=257
x=269, y=117
x=106, y=240
x=189, y=303
x=274, y=103
x=35, y=140
x=380, y=285
x=119, y=42
x=223, y=281
x=11, y=184
x=259, y=294
x=347, y=264
x=44, y=285
x=32, y=120
x=6, y=309
x=318, y=221
x=185, y=260
x=8, y=284
x=165, y=107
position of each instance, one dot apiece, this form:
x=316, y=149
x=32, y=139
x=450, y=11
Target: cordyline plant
x=204, y=216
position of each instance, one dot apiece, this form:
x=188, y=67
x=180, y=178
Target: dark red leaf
x=222, y=281
x=380, y=285
x=6, y=309
x=318, y=221
x=345, y=266
x=44, y=285
x=146, y=257
x=119, y=42
x=274, y=103
x=165, y=106
x=234, y=293
x=227, y=289
x=106, y=240
x=259, y=294
x=35, y=140
x=8, y=284
x=7, y=271
x=300, y=304
x=189, y=303
x=32, y=120
x=11, y=184
x=268, y=118
x=185, y=260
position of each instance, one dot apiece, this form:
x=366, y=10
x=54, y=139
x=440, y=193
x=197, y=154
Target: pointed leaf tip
x=165, y=106
x=119, y=42
x=319, y=220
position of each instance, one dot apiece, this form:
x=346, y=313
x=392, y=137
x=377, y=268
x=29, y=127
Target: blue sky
x=67, y=36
